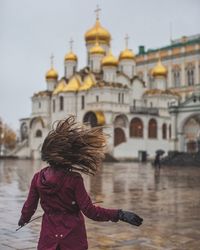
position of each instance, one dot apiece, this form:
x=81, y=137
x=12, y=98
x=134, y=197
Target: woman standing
x=69, y=149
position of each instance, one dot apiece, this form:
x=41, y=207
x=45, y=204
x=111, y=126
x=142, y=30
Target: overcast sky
x=30, y=30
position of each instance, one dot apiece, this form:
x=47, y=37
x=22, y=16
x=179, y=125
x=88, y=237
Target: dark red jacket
x=63, y=198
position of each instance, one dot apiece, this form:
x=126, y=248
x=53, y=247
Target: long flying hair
x=75, y=146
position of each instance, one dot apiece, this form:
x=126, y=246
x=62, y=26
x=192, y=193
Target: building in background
x=147, y=101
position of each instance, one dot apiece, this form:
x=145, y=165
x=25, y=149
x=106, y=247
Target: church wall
x=41, y=106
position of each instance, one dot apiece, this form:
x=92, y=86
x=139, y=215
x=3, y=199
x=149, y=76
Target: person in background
x=69, y=149
x=157, y=161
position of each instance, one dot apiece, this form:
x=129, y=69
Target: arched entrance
x=120, y=125
x=191, y=132
x=119, y=136
x=94, y=118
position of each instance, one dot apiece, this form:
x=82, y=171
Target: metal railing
x=144, y=110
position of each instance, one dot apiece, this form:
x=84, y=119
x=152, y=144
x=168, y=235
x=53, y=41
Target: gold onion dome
x=109, y=60
x=97, y=49
x=126, y=54
x=52, y=74
x=71, y=57
x=159, y=70
x=97, y=32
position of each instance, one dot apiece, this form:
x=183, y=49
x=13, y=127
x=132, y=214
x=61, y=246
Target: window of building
x=152, y=129
x=176, y=76
x=170, y=131
x=190, y=74
x=82, y=102
x=97, y=98
x=38, y=133
x=119, y=97
x=134, y=103
x=122, y=97
x=136, y=128
x=74, y=69
x=164, y=131
x=54, y=105
x=61, y=103
x=39, y=105
x=91, y=64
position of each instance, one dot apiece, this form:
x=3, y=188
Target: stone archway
x=94, y=118
x=120, y=126
x=119, y=136
x=191, y=133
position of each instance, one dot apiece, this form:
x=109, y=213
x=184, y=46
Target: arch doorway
x=191, y=131
x=119, y=136
x=94, y=118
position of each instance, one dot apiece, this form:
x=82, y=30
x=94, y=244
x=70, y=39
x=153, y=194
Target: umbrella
x=160, y=152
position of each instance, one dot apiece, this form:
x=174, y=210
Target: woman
x=69, y=149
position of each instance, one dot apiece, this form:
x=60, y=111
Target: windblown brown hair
x=74, y=146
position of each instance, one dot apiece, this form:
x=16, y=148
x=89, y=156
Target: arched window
x=54, y=105
x=170, y=131
x=190, y=74
x=82, y=102
x=136, y=128
x=119, y=136
x=176, y=76
x=152, y=129
x=38, y=133
x=61, y=103
x=164, y=131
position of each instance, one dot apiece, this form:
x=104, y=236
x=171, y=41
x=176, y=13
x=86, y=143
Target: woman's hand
x=130, y=218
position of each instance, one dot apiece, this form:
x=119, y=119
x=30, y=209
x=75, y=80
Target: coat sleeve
x=31, y=203
x=91, y=211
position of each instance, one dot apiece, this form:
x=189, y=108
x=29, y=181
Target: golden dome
x=109, y=60
x=159, y=70
x=52, y=74
x=97, y=49
x=73, y=84
x=126, y=54
x=71, y=57
x=88, y=83
x=97, y=32
x=59, y=88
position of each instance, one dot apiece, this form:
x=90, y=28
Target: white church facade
x=146, y=102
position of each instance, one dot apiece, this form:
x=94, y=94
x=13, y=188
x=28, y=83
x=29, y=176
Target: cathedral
x=146, y=101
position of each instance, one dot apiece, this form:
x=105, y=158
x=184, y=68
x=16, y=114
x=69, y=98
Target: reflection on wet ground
x=168, y=200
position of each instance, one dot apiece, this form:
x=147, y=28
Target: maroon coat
x=63, y=198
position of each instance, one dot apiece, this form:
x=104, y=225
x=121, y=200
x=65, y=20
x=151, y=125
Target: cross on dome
x=97, y=11
x=71, y=44
x=51, y=60
x=126, y=40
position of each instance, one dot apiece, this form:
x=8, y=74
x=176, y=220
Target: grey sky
x=30, y=30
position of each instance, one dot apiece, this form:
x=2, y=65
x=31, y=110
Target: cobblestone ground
x=169, y=202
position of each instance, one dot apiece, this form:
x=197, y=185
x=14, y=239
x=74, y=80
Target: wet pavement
x=168, y=200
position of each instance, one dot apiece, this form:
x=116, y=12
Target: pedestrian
x=157, y=161
x=69, y=149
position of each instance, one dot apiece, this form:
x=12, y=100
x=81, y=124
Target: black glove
x=130, y=218
x=21, y=222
